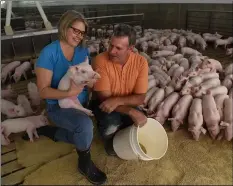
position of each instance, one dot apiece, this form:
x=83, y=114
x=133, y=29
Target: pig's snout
x=214, y=132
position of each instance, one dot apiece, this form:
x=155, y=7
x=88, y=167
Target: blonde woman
x=73, y=126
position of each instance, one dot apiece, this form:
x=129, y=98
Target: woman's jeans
x=74, y=126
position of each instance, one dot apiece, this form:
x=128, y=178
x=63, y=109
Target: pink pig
x=180, y=111
x=227, y=119
x=28, y=124
x=21, y=70
x=165, y=107
x=7, y=70
x=79, y=74
x=33, y=94
x=195, y=119
x=11, y=110
x=211, y=115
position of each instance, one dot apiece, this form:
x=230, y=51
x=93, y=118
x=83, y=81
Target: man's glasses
x=78, y=32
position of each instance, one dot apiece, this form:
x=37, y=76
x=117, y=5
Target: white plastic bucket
x=152, y=136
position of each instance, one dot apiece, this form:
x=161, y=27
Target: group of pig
x=190, y=86
x=15, y=70
x=19, y=112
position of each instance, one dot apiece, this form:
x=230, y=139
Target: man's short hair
x=125, y=30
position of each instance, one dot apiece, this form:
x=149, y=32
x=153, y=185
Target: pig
x=209, y=75
x=145, y=55
x=182, y=41
x=229, y=52
x=156, y=69
x=224, y=42
x=11, y=110
x=175, y=57
x=152, y=83
x=189, y=51
x=167, y=42
x=28, y=124
x=219, y=100
x=172, y=48
x=195, y=119
x=231, y=93
x=4, y=141
x=227, y=82
x=169, y=64
x=217, y=90
x=180, y=111
x=150, y=77
x=7, y=70
x=201, y=43
x=194, y=81
x=168, y=90
x=149, y=94
x=172, y=69
x=209, y=83
x=226, y=124
x=190, y=40
x=33, y=94
x=79, y=74
x=212, y=64
x=178, y=72
x=144, y=46
x=162, y=81
x=23, y=100
x=21, y=70
x=153, y=45
x=8, y=93
x=229, y=69
x=165, y=107
x=156, y=99
x=100, y=32
x=184, y=63
x=211, y=115
x=162, y=53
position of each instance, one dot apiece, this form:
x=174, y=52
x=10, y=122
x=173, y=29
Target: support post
x=7, y=27
x=47, y=24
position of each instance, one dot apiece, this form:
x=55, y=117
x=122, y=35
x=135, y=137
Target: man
x=122, y=86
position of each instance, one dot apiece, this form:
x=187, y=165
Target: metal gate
x=201, y=21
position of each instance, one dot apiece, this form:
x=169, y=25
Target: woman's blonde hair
x=66, y=21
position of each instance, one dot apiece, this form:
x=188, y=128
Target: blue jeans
x=109, y=123
x=74, y=126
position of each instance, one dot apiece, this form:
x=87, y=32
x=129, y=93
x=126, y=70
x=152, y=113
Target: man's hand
x=138, y=117
x=109, y=105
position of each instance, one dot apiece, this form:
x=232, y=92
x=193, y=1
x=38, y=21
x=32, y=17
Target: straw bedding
x=41, y=151
x=186, y=162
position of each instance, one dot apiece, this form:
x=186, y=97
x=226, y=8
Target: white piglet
x=21, y=70
x=195, y=119
x=23, y=100
x=7, y=70
x=79, y=74
x=11, y=110
x=28, y=124
x=33, y=94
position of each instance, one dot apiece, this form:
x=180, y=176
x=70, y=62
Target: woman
x=73, y=126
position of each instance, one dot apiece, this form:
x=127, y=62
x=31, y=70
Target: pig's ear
x=72, y=69
x=97, y=75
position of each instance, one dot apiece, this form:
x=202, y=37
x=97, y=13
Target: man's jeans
x=109, y=124
x=75, y=126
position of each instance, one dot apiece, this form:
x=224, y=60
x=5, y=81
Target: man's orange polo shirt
x=131, y=78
